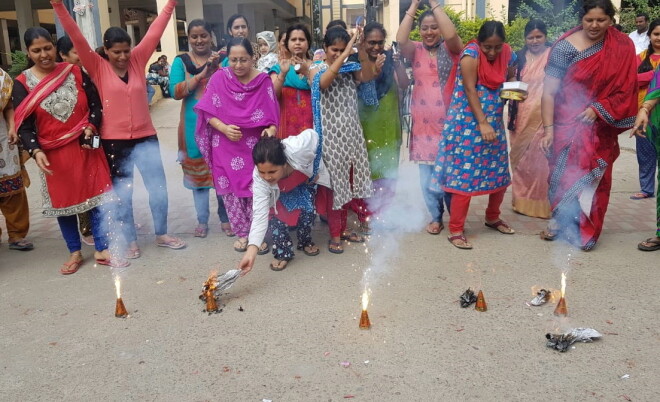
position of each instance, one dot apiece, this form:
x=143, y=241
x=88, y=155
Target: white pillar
x=169, y=42
x=24, y=18
x=104, y=15
x=194, y=10
x=131, y=32
x=5, y=47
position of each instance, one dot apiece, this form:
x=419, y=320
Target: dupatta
x=47, y=86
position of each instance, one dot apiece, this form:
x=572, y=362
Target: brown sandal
x=279, y=266
x=501, y=227
x=464, y=245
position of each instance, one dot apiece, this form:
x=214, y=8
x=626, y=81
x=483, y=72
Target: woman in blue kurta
x=472, y=158
x=188, y=77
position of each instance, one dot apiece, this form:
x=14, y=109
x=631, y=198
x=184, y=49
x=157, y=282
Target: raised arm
x=403, y=34
x=332, y=71
x=447, y=28
x=148, y=44
x=88, y=57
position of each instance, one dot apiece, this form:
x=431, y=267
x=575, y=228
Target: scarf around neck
x=493, y=74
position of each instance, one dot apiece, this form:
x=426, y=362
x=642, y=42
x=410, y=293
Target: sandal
x=69, y=268
x=501, y=227
x=352, y=237
x=433, y=230
x=113, y=262
x=335, y=247
x=88, y=240
x=549, y=235
x=309, y=249
x=201, y=230
x=279, y=266
x=652, y=244
x=173, y=242
x=640, y=196
x=21, y=245
x=133, y=253
x=240, y=245
x=226, y=228
x=264, y=249
x=365, y=228
x=464, y=245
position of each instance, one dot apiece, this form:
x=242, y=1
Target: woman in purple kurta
x=238, y=107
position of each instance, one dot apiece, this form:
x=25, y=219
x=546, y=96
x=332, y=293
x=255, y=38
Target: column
x=194, y=10
x=24, y=18
x=5, y=47
x=114, y=13
x=169, y=42
x=104, y=15
x=131, y=32
x=85, y=19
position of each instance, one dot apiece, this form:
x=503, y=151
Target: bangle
x=35, y=152
x=410, y=15
x=644, y=109
x=549, y=126
x=436, y=6
x=333, y=71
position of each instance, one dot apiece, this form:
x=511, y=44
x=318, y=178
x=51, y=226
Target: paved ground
x=59, y=339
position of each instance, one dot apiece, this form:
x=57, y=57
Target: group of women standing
x=248, y=134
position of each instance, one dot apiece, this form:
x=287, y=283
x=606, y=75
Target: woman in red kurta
x=587, y=101
x=57, y=109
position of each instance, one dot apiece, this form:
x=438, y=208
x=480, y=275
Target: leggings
x=144, y=153
x=69, y=228
x=460, y=204
x=282, y=244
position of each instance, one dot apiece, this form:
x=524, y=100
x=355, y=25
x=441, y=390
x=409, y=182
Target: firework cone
x=481, y=302
x=120, y=310
x=561, y=309
x=364, y=320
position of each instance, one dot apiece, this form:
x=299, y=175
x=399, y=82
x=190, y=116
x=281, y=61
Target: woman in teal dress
x=188, y=77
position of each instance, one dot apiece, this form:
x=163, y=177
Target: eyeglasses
x=376, y=42
x=239, y=61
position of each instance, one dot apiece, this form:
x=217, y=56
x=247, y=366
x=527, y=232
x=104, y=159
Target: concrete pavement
x=59, y=339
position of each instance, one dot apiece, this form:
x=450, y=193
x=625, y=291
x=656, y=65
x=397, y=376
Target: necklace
x=194, y=57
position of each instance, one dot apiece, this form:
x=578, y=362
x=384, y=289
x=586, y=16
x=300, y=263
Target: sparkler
x=208, y=293
x=364, y=318
x=120, y=309
x=561, y=309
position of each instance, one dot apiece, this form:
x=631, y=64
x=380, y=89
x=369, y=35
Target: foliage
x=557, y=21
x=630, y=8
x=468, y=29
x=19, y=62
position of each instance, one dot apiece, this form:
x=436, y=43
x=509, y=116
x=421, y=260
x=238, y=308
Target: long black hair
x=334, y=35
x=605, y=5
x=32, y=34
x=230, y=22
x=64, y=46
x=271, y=150
x=646, y=63
x=491, y=28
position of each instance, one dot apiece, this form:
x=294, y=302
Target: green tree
x=557, y=21
x=630, y=8
x=19, y=63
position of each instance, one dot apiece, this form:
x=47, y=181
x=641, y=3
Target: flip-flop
x=21, y=245
x=640, y=196
x=113, y=262
x=352, y=237
x=133, y=253
x=335, y=250
x=240, y=245
x=461, y=237
x=174, y=243
x=264, y=249
x=650, y=240
x=69, y=268
x=433, y=232
x=309, y=253
x=279, y=266
x=548, y=235
x=201, y=230
x=226, y=229
x=501, y=227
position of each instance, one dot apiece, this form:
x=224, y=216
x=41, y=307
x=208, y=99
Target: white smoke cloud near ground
x=405, y=213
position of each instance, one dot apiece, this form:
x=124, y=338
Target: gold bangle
x=410, y=15
x=436, y=6
x=333, y=71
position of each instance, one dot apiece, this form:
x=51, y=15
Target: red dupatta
x=46, y=86
x=493, y=74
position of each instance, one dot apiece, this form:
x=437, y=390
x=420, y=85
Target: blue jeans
x=144, y=153
x=434, y=200
x=69, y=228
x=201, y=198
x=647, y=160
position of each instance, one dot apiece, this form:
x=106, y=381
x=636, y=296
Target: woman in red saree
x=57, y=111
x=587, y=101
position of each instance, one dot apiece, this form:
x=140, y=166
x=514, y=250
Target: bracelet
x=436, y=6
x=548, y=126
x=644, y=109
x=35, y=152
x=333, y=71
x=410, y=15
